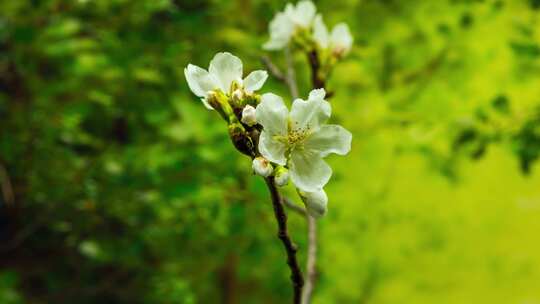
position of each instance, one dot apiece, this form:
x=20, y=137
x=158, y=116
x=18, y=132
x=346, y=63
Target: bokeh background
x=118, y=186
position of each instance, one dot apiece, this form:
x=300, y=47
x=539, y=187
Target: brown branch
x=311, y=271
x=283, y=235
x=318, y=80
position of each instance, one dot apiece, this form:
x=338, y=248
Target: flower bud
x=316, y=202
x=238, y=95
x=218, y=101
x=248, y=116
x=213, y=100
x=281, y=176
x=241, y=139
x=261, y=166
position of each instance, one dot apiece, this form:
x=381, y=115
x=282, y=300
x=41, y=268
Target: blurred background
x=118, y=186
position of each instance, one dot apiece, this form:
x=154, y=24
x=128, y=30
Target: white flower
x=281, y=176
x=339, y=41
x=300, y=139
x=285, y=23
x=248, y=116
x=316, y=202
x=262, y=166
x=224, y=69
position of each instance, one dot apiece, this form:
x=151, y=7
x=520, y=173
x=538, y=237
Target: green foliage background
x=127, y=190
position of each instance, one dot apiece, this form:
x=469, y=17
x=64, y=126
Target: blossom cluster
x=283, y=144
x=301, y=24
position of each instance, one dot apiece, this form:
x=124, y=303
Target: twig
x=291, y=75
x=289, y=79
x=311, y=271
x=283, y=235
x=316, y=80
x=273, y=69
x=294, y=207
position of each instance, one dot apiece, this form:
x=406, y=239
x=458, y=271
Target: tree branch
x=318, y=80
x=283, y=235
x=315, y=64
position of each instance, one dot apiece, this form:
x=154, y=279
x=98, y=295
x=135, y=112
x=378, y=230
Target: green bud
x=220, y=103
x=281, y=175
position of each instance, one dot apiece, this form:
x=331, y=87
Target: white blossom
x=262, y=166
x=224, y=70
x=339, y=41
x=300, y=139
x=284, y=24
x=316, y=202
x=248, y=116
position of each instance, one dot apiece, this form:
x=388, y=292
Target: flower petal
x=206, y=104
x=316, y=202
x=281, y=29
x=199, y=80
x=255, y=80
x=329, y=139
x=226, y=68
x=320, y=32
x=304, y=13
x=341, y=38
x=317, y=94
x=309, y=172
x=311, y=113
x=271, y=149
x=272, y=114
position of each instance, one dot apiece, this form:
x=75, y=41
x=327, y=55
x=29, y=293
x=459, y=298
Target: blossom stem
x=288, y=78
x=283, y=234
x=293, y=206
x=311, y=271
x=272, y=68
x=291, y=75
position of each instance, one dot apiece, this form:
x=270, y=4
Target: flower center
x=297, y=136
